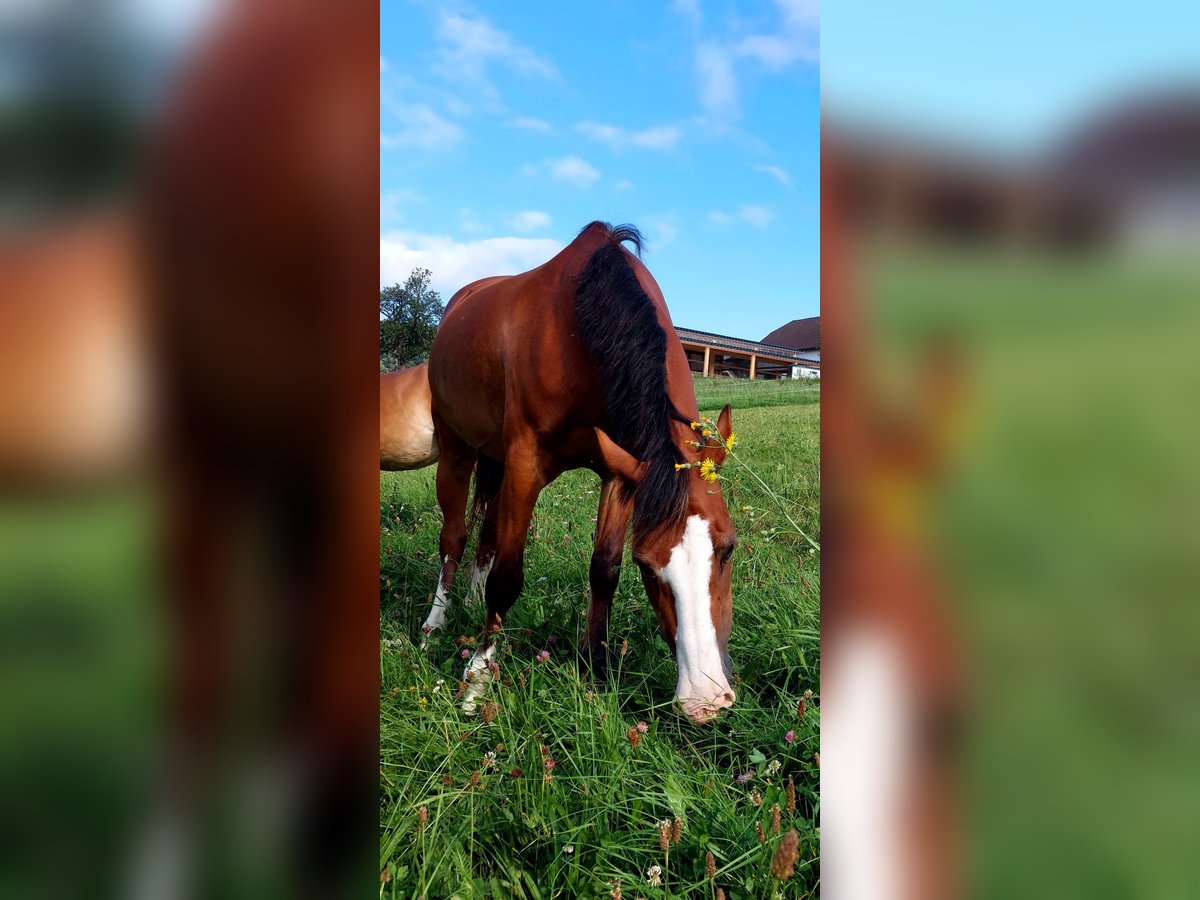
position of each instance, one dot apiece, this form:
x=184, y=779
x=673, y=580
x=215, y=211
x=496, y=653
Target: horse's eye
x=728, y=553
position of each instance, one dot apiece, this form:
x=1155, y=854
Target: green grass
x=594, y=822
x=741, y=393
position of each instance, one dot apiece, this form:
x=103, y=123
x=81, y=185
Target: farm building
x=720, y=355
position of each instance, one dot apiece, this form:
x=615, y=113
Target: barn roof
x=799, y=334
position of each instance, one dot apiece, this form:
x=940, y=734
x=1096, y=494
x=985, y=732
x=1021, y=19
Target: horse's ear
x=725, y=422
x=725, y=429
x=618, y=461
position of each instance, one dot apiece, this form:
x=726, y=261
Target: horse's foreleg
x=605, y=571
x=518, y=494
x=453, y=483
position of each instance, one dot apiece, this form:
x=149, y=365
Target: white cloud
x=530, y=220
x=420, y=127
x=718, y=84
x=624, y=185
x=689, y=9
x=390, y=203
x=777, y=52
x=800, y=13
x=469, y=43
x=758, y=216
x=796, y=39
x=664, y=233
x=531, y=124
x=570, y=169
x=778, y=174
x=573, y=170
x=662, y=137
x=383, y=64
x=456, y=263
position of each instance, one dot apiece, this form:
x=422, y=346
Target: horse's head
x=685, y=565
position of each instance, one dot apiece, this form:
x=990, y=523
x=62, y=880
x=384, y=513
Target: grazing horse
x=575, y=364
x=406, y=438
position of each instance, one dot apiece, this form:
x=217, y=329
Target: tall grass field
x=568, y=785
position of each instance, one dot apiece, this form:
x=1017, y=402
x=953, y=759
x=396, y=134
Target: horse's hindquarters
x=406, y=438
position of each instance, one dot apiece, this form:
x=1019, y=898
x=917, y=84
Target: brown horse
x=575, y=364
x=406, y=438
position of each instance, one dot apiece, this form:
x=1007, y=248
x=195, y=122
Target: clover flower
x=544, y=656
x=790, y=736
x=654, y=876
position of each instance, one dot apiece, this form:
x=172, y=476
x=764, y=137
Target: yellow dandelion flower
x=695, y=424
x=706, y=433
x=731, y=440
x=708, y=470
x=679, y=466
x=424, y=701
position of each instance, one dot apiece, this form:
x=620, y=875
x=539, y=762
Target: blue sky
x=504, y=128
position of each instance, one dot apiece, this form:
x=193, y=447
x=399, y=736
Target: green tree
x=408, y=319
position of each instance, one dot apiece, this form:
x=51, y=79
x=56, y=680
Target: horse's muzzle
x=703, y=710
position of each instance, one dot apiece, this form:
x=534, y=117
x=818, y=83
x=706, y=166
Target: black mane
x=620, y=329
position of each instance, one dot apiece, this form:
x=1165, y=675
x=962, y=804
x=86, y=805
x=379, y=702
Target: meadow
x=567, y=785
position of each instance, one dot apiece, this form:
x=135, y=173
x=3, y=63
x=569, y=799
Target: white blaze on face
x=702, y=687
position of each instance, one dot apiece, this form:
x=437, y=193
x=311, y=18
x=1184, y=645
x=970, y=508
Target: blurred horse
x=74, y=381
x=575, y=364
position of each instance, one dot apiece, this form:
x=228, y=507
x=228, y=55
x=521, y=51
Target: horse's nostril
x=730, y=696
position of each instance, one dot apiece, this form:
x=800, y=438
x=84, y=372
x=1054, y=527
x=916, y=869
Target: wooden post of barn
x=706, y=352
x=753, y=364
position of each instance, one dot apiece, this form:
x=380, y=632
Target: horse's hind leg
x=605, y=570
x=453, y=485
x=519, y=491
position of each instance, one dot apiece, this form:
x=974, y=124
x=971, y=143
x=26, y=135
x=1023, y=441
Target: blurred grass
x=595, y=821
x=1070, y=525
x=80, y=665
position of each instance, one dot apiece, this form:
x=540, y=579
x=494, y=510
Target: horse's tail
x=488, y=475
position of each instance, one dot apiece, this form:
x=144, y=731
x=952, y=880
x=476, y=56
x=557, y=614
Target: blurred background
x=187, y=498
x=1011, y=223
x=1011, y=219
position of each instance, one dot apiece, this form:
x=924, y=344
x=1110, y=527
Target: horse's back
x=508, y=360
x=467, y=290
x=406, y=439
